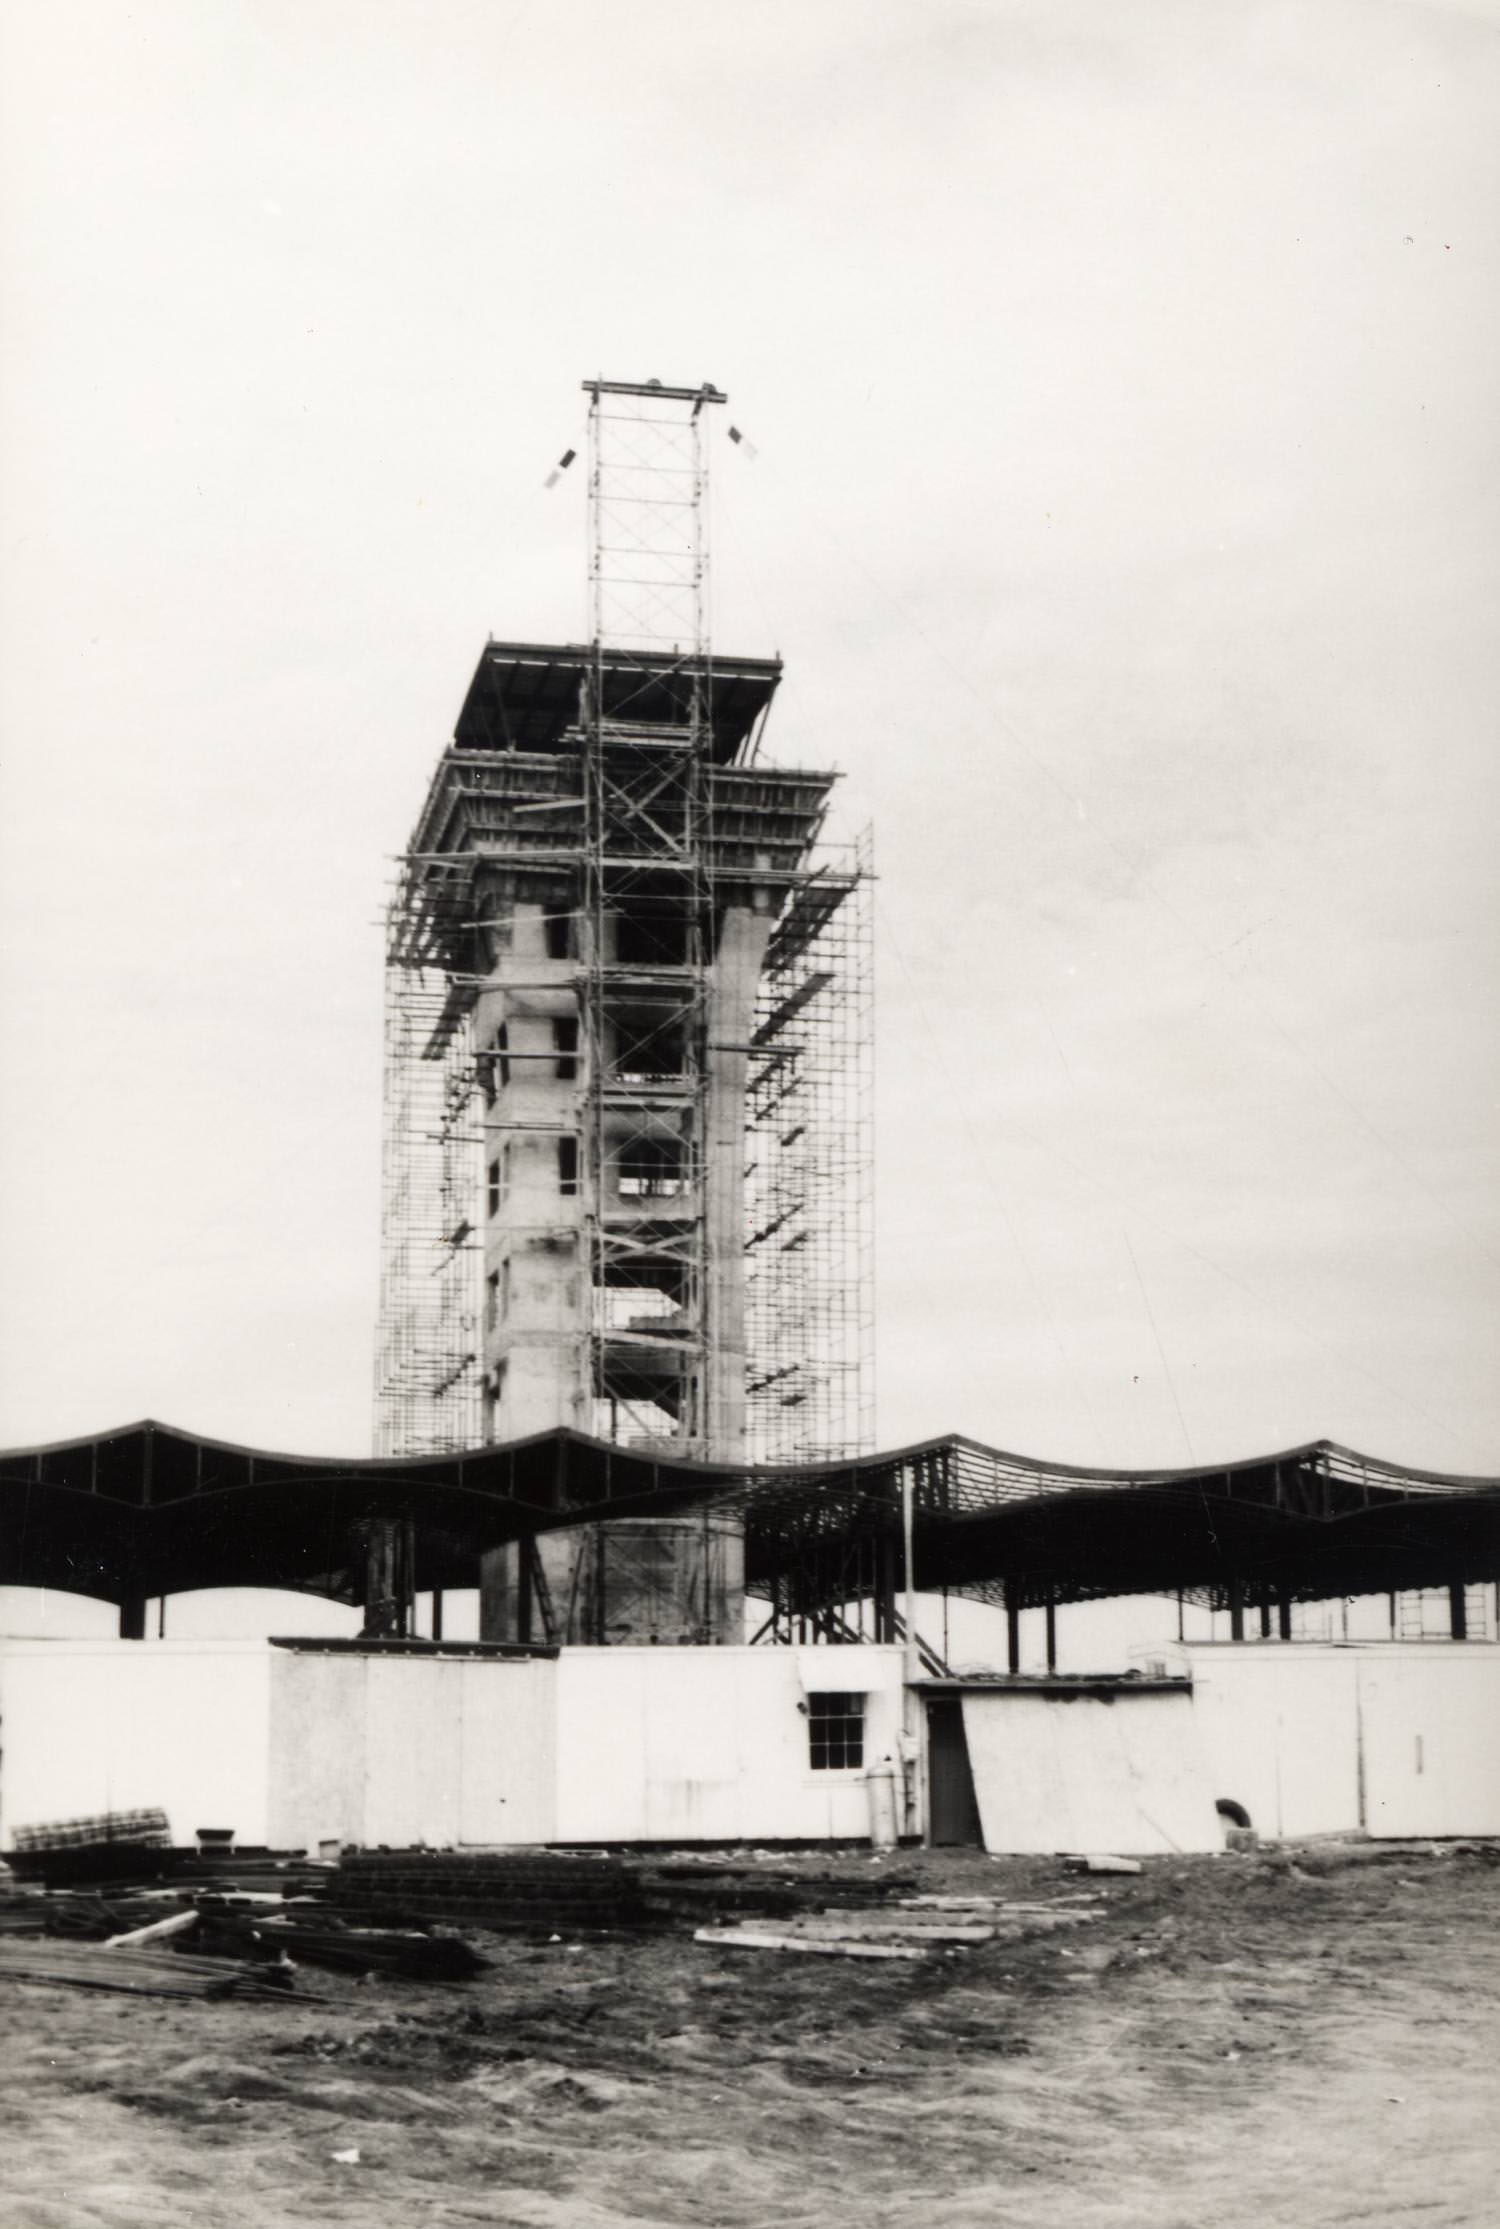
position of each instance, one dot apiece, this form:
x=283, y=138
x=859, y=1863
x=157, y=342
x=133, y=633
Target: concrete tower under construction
x=627, y=1065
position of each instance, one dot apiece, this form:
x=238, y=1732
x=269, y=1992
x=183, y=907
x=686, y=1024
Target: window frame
x=829, y=1729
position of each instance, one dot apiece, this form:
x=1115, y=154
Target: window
x=494, y=1065
x=492, y=1300
x=651, y=1168
x=647, y=1046
x=492, y=1196
x=565, y=1038
x=559, y=928
x=652, y=935
x=567, y=1166
x=497, y=1188
x=835, y=1730
x=1428, y=1615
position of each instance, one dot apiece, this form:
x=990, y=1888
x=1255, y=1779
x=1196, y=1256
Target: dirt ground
x=1236, y=2041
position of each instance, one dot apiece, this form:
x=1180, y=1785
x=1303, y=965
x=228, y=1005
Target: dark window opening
x=494, y=1066
x=835, y=1730
x=565, y=1038
x=651, y=1169
x=645, y=1048
x=559, y=930
x=492, y=1189
x=567, y=1166
x=651, y=939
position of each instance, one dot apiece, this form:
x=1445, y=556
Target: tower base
x=670, y=1580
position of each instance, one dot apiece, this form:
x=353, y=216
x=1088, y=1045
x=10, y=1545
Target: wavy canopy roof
x=148, y=1510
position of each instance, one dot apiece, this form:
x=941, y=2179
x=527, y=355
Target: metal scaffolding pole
x=427, y=1351
x=809, y=1235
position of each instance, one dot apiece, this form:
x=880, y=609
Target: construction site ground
x=1249, y=2039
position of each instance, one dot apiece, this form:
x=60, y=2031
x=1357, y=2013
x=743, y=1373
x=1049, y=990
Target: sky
x=1123, y=504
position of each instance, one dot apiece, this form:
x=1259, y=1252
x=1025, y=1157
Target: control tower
x=603, y=983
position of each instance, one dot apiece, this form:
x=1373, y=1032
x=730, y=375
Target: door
x=952, y=1813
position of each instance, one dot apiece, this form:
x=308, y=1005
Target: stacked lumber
x=701, y=1891
x=315, y=1938
x=918, y=1927
x=144, y=1972
x=123, y=1860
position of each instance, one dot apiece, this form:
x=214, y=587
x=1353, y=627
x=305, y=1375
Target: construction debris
x=1036, y=1918
x=529, y=1893
x=137, y=1973
x=320, y=1939
x=177, y=1923
x=913, y=1926
x=757, y=1938
x=136, y=1829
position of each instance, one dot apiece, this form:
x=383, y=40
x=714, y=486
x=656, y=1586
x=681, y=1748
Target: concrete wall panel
x=407, y=1750
x=318, y=1726
x=1431, y=1720
x=711, y=1744
x=1055, y=1773
x=1279, y=1730
x=508, y=1759
x=1397, y=1739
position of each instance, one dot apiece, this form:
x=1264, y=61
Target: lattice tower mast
x=648, y=919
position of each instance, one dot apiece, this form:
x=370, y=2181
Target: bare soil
x=1237, y=2041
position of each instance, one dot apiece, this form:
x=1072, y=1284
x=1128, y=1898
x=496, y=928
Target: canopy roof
x=148, y=1510
x=525, y=696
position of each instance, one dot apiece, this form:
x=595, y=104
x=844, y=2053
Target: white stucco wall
x=291, y=1746
x=682, y=1745
x=1430, y=1715
x=406, y=1750
x=1279, y=1728
x=1089, y=1774
x=110, y=1725
x=1401, y=1738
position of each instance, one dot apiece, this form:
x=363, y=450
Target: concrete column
x=386, y=1549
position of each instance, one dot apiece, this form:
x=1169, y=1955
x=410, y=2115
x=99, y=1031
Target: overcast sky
x=1123, y=388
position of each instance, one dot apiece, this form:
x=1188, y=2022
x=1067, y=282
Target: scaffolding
x=648, y=918
x=427, y=1368
x=617, y=786
x=809, y=1239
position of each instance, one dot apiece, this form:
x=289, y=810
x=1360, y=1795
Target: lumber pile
x=149, y=1971
x=310, y=1937
x=209, y=1914
x=915, y=1928
x=704, y=1892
